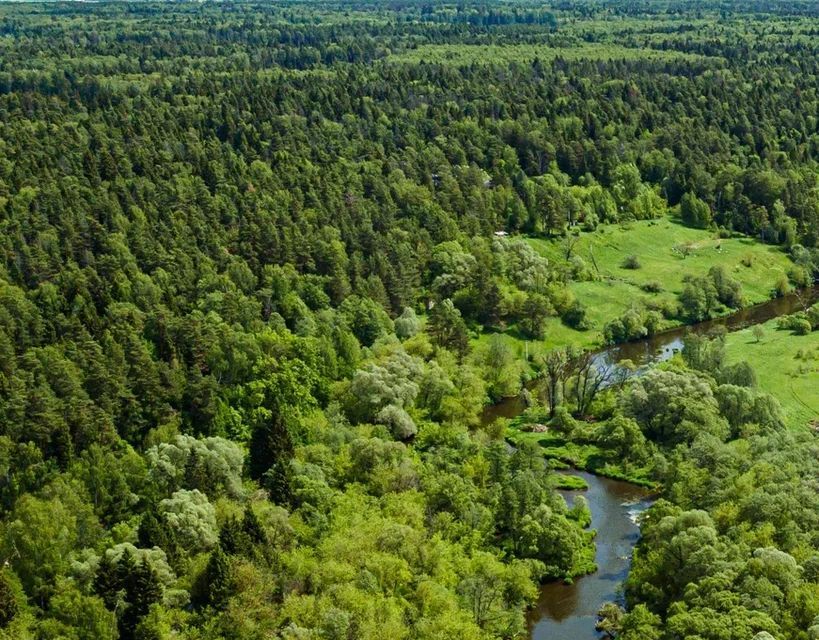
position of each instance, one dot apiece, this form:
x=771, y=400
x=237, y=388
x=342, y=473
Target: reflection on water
x=569, y=612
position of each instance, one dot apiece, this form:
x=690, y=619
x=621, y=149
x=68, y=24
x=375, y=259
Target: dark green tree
x=447, y=328
x=8, y=601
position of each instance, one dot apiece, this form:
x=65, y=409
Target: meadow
x=667, y=252
x=787, y=366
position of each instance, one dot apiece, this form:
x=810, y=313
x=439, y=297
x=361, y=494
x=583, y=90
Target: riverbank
x=579, y=455
x=568, y=611
x=792, y=384
x=666, y=252
x=786, y=365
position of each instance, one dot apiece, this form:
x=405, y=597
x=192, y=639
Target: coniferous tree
x=232, y=538
x=107, y=582
x=144, y=589
x=252, y=527
x=219, y=579
x=271, y=449
x=154, y=532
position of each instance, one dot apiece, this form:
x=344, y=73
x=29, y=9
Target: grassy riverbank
x=787, y=366
x=583, y=455
x=666, y=252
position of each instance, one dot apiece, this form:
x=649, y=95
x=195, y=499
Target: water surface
x=663, y=345
x=569, y=612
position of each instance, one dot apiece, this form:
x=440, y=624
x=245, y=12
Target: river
x=568, y=612
x=663, y=345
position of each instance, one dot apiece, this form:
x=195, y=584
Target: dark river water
x=568, y=612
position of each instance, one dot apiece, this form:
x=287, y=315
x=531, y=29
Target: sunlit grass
x=787, y=366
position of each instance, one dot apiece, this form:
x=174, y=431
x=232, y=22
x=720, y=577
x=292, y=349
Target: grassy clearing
x=757, y=266
x=656, y=245
x=787, y=367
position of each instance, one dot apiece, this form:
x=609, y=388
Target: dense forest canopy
x=250, y=255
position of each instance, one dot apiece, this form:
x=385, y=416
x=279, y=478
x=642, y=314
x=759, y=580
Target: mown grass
x=787, y=366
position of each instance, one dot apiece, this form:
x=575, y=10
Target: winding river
x=568, y=612
x=663, y=345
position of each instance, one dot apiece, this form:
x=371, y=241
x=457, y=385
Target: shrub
x=798, y=323
x=575, y=317
x=631, y=262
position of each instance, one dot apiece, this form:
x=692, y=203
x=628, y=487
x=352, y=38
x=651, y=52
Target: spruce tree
x=196, y=476
x=154, y=532
x=232, y=538
x=107, y=583
x=219, y=580
x=271, y=449
x=144, y=589
x=252, y=527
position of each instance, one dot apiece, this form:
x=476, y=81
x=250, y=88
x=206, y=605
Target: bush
x=575, y=317
x=652, y=287
x=801, y=327
x=799, y=277
x=782, y=287
x=631, y=262
x=813, y=316
x=798, y=323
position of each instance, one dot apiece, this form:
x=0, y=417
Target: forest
x=264, y=266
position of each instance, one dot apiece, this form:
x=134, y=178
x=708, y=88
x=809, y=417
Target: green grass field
x=757, y=266
x=787, y=366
